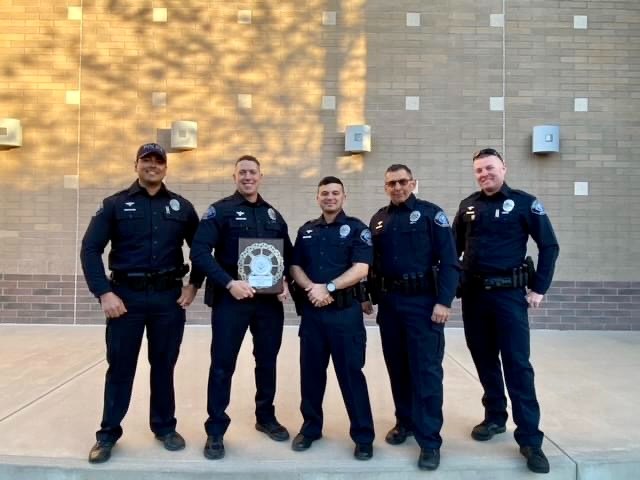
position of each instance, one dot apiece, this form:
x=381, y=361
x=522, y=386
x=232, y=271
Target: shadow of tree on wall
x=202, y=58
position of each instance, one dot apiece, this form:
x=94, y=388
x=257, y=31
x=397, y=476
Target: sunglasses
x=403, y=182
x=487, y=152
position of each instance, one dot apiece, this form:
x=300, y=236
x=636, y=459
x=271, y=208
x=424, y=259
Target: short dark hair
x=487, y=152
x=249, y=158
x=396, y=167
x=330, y=179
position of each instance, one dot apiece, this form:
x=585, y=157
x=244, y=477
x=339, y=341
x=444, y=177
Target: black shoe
x=486, y=430
x=214, y=448
x=274, y=430
x=429, y=459
x=398, y=434
x=536, y=459
x=300, y=442
x=100, y=452
x=172, y=441
x=363, y=451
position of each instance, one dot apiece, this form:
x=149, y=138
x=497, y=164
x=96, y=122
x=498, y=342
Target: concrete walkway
x=51, y=381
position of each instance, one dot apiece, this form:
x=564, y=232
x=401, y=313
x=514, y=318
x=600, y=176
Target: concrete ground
x=51, y=384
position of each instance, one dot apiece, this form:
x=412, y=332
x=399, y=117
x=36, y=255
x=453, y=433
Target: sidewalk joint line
x=51, y=390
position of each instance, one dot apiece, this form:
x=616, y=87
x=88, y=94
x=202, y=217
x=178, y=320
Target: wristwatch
x=331, y=287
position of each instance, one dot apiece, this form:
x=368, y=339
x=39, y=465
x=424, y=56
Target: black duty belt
x=342, y=298
x=518, y=278
x=409, y=283
x=493, y=282
x=161, y=280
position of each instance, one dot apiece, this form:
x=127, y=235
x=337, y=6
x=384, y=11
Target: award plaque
x=261, y=264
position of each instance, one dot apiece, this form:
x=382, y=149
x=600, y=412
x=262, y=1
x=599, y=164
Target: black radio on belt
x=361, y=292
x=343, y=298
x=298, y=295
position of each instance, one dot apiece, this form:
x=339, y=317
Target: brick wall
x=90, y=85
x=567, y=306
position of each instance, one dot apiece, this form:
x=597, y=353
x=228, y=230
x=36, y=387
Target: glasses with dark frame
x=403, y=182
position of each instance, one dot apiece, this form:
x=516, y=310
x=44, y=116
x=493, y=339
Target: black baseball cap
x=149, y=148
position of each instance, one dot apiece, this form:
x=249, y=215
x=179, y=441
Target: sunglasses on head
x=487, y=152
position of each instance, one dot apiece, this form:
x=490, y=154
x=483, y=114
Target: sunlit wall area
x=281, y=79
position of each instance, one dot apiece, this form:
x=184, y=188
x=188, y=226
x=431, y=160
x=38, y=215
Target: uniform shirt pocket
x=175, y=223
x=272, y=230
x=130, y=223
x=339, y=250
x=415, y=236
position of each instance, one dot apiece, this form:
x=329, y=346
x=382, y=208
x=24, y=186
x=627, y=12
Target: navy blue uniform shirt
x=326, y=250
x=493, y=231
x=223, y=224
x=413, y=237
x=146, y=233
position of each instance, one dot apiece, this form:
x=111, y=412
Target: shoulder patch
x=210, y=213
x=365, y=236
x=441, y=219
x=537, y=208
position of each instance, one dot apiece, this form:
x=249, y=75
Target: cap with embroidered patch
x=149, y=148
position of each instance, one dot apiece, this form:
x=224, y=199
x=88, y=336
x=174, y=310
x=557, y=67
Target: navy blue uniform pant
x=496, y=326
x=413, y=348
x=338, y=334
x=164, y=321
x=263, y=315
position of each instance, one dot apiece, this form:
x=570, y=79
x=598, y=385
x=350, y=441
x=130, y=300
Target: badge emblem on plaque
x=261, y=264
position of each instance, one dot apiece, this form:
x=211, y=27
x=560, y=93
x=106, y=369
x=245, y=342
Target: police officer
x=331, y=255
x=410, y=238
x=147, y=225
x=236, y=306
x=491, y=228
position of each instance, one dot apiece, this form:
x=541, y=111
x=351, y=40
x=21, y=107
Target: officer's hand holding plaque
x=261, y=264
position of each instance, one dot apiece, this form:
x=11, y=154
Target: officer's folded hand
x=367, y=308
x=318, y=295
x=112, y=305
x=534, y=299
x=285, y=293
x=440, y=313
x=240, y=289
x=187, y=295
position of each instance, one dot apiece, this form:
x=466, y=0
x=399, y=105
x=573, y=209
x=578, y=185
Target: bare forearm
x=357, y=272
x=300, y=277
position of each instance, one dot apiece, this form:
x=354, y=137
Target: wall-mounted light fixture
x=10, y=133
x=184, y=135
x=357, y=138
x=545, y=139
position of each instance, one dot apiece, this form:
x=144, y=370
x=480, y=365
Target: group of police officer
x=409, y=255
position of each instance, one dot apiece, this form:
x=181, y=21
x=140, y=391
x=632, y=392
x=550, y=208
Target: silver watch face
x=331, y=287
